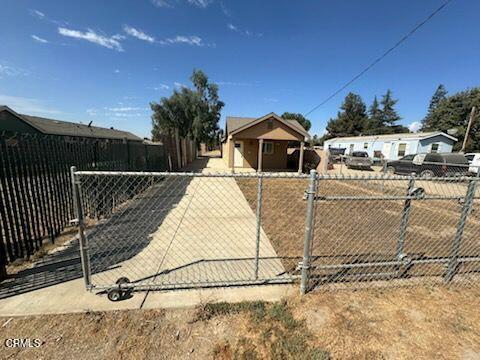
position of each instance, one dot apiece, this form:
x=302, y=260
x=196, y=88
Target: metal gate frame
x=402, y=259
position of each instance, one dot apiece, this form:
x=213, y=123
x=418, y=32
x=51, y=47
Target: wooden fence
x=35, y=188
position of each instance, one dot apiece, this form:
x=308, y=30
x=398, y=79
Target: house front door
x=238, y=154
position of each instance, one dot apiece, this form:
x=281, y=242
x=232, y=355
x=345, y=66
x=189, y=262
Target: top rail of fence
x=284, y=175
x=195, y=174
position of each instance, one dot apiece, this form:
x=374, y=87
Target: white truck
x=474, y=162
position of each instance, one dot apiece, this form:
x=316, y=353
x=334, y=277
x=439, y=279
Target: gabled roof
x=65, y=128
x=386, y=137
x=237, y=124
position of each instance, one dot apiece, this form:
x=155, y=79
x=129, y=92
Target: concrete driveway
x=201, y=231
x=187, y=231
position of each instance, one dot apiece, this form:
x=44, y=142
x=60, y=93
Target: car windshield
x=360, y=154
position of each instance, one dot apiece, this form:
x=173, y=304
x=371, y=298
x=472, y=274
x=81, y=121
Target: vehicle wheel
x=390, y=170
x=114, y=295
x=122, y=280
x=427, y=174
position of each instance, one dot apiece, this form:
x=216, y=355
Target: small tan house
x=261, y=143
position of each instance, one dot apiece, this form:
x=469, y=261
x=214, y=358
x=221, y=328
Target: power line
x=397, y=44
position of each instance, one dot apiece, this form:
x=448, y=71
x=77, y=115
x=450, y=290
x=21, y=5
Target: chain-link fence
x=180, y=230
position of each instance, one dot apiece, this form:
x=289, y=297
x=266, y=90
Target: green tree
x=351, y=120
x=453, y=112
x=307, y=124
x=194, y=113
x=439, y=95
x=375, y=120
x=389, y=115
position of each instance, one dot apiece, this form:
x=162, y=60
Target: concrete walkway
x=202, y=232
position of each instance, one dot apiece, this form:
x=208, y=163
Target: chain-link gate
x=178, y=230
x=393, y=228
x=182, y=230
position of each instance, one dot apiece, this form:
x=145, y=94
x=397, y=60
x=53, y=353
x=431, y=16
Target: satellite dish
x=453, y=131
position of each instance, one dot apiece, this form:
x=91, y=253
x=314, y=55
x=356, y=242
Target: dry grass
x=348, y=231
x=406, y=323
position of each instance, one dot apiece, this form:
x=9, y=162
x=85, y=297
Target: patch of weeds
x=281, y=313
x=276, y=332
x=210, y=310
x=245, y=350
x=222, y=351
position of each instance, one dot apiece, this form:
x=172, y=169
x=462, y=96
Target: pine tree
x=439, y=95
x=352, y=120
x=388, y=113
x=375, y=117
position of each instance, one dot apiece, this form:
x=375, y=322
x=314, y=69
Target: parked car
x=473, y=161
x=358, y=160
x=335, y=154
x=428, y=165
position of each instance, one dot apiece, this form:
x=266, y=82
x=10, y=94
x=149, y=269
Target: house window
x=365, y=146
x=267, y=147
x=270, y=124
x=402, y=149
x=434, y=148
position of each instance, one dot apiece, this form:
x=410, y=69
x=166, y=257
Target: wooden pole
x=472, y=114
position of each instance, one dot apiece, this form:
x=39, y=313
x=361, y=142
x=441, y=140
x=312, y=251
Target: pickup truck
x=358, y=160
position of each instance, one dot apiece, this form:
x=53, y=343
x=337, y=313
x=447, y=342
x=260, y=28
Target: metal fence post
x=466, y=209
x=259, y=222
x=404, y=222
x=311, y=192
x=77, y=204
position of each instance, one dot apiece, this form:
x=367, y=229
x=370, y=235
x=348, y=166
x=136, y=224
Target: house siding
x=413, y=146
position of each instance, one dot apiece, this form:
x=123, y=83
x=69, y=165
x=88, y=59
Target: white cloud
x=160, y=87
x=169, y=3
x=139, y=34
x=116, y=71
x=161, y=3
x=123, y=109
x=92, y=36
x=243, y=32
x=415, y=126
x=200, y=3
x=37, y=13
x=225, y=10
x=27, y=105
x=39, y=39
x=190, y=40
x=10, y=71
x=179, y=85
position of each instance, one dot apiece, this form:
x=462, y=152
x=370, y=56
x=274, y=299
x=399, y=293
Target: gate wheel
x=114, y=295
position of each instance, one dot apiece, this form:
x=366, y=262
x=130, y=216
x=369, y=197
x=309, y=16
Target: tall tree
x=306, y=123
x=439, y=95
x=453, y=112
x=194, y=113
x=389, y=115
x=352, y=118
x=375, y=120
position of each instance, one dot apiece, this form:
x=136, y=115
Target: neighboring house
x=395, y=146
x=261, y=143
x=19, y=123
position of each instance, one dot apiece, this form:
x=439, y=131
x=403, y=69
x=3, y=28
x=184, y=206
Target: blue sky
x=104, y=61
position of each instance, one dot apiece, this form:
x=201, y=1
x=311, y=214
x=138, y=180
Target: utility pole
x=472, y=114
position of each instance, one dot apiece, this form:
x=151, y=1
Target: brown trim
x=268, y=116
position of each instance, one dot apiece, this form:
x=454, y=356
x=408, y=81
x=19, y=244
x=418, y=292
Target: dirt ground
x=354, y=230
x=405, y=323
